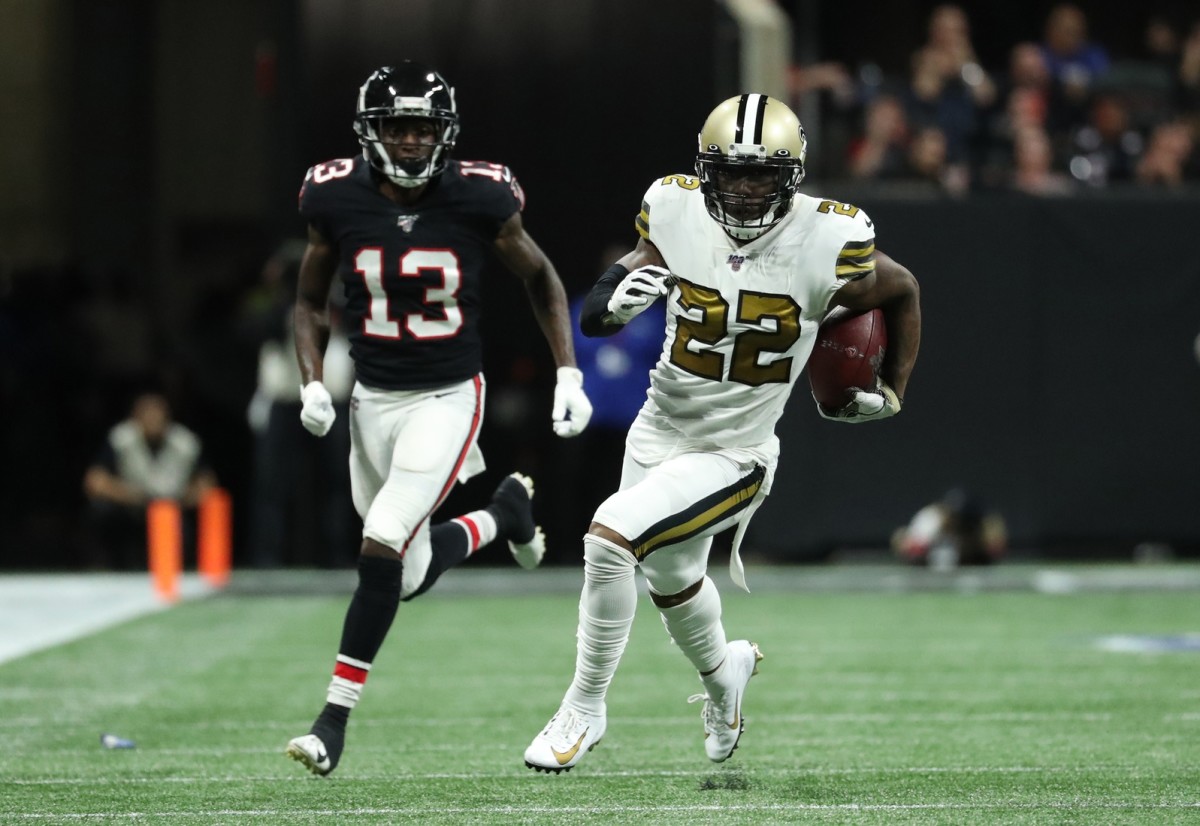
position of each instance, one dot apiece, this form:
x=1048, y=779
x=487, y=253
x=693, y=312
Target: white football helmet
x=751, y=159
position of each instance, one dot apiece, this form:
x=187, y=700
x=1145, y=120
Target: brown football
x=848, y=354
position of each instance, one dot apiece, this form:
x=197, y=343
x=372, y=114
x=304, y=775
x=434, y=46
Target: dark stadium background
x=159, y=146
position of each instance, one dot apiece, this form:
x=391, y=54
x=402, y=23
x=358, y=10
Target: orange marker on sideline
x=164, y=538
x=214, y=550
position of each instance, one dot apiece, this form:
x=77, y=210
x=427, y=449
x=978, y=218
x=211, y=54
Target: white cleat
x=722, y=716
x=529, y=555
x=564, y=741
x=310, y=750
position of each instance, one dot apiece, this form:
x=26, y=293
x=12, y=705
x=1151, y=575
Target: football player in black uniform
x=409, y=230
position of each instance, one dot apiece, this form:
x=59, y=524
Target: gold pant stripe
x=700, y=516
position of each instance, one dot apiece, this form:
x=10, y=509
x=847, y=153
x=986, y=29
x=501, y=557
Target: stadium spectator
x=959, y=529
x=1033, y=164
x=927, y=163
x=880, y=151
x=1162, y=45
x=1031, y=96
x=1075, y=63
x=950, y=38
x=936, y=98
x=1026, y=100
x=828, y=77
x=949, y=88
x=300, y=506
x=148, y=456
x=1105, y=150
x=1165, y=161
x=1187, y=75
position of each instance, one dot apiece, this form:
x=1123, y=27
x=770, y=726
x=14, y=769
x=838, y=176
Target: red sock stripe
x=472, y=529
x=350, y=672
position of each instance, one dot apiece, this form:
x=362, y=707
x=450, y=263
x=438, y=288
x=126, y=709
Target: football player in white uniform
x=748, y=267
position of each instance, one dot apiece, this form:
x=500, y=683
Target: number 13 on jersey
x=444, y=318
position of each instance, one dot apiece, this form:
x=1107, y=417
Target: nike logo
x=322, y=757
x=737, y=716
x=564, y=757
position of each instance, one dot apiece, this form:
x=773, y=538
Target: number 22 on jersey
x=442, y=299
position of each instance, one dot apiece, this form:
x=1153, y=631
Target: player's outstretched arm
x=521, y=254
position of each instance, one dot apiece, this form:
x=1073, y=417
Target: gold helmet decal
x=751, y=157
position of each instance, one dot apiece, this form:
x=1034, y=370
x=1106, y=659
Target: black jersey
x=412, y=274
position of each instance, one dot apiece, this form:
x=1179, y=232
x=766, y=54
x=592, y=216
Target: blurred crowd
x=1065, y=114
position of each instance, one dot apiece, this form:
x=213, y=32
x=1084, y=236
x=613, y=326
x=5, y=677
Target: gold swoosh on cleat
x=564, y=757
x=737, y=716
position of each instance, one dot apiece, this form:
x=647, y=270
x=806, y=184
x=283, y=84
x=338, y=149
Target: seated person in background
x=956, y=530
x=1106, y=149
x=880, y=152
x=1165, y=161
x=927, y=163
x=148, y=456
x=1033, y=164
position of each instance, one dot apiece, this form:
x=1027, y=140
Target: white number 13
x=379, y=322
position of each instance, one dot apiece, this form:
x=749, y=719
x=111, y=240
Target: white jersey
x=741, y=320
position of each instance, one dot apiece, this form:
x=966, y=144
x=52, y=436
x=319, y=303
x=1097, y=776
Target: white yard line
x=39, y=611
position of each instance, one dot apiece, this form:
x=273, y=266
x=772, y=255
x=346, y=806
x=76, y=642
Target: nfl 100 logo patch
x=735, y=261
x=406, y=222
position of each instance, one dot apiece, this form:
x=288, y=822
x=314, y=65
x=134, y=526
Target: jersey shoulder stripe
x=856, y=259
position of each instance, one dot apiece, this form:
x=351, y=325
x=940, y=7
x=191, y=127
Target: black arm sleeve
x=595, y=306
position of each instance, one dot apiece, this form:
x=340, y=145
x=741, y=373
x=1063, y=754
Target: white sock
x=606, y=610
x=696, y=628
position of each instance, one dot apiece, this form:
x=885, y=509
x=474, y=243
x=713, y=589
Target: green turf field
x=870, y=708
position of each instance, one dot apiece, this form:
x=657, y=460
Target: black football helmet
x=408, y=90
x=757, y=139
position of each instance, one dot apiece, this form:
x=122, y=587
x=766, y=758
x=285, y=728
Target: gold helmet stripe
x=751, y=109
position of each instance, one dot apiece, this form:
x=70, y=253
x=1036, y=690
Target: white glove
x=572, y=410
x=318, y=413
x=637, y=291
x=867, y=406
